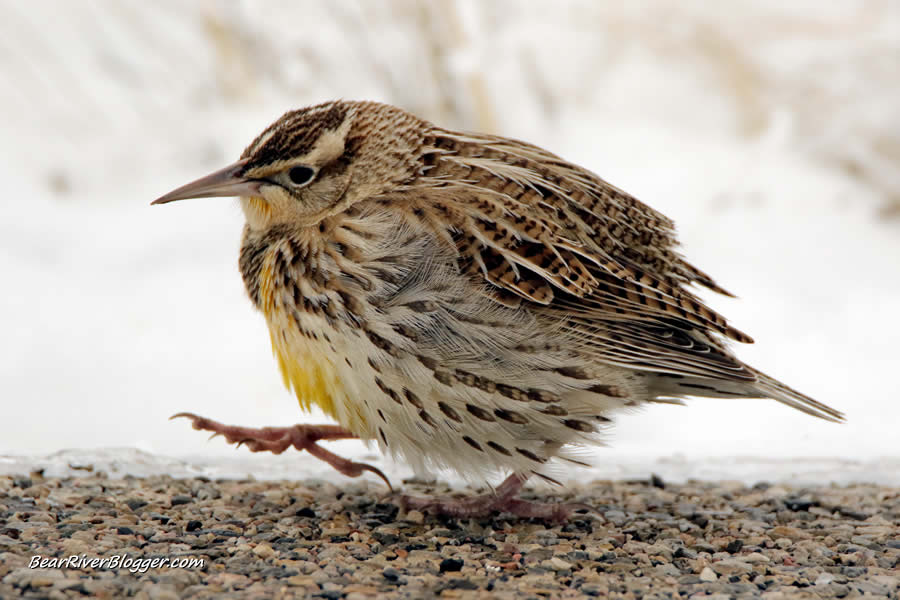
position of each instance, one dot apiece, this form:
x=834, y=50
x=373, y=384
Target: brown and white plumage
x=560, y=237
x=465, y=300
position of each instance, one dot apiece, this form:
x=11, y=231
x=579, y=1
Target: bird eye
x=301, y=175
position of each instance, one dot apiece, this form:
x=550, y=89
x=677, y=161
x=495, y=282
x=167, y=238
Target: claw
x=186, y=415
x=196, y=421
x=378, y=472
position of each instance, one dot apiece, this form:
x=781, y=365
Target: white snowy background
x=769, y=130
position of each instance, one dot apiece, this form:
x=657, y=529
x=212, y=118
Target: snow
x=120, y=462
x=767, y=130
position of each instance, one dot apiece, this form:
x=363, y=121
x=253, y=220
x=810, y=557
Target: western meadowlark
x=465, y=301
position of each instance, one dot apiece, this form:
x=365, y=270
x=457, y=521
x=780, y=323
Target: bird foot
x=486, y=505
x=502, y=500
x=279, y=439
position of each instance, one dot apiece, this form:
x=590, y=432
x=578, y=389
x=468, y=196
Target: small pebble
x=135, y=503
x=263, y=551
x=731, y=566
x=558, y=564
x=755, y=557
x=415, y=516
x=193, y=525
x=450, y=565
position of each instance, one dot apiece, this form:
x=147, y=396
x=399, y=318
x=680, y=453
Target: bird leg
x=279, y=439
x=501, y=500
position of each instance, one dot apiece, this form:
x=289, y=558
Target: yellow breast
x=311, y=376
x=308, y=366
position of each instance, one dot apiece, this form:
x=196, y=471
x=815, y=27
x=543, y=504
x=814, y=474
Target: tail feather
x=672, y=386
x=778, y=391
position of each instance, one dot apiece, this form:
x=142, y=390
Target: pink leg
x=279, y=439
x=501, y=500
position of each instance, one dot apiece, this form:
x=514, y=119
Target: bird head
x=315, y=162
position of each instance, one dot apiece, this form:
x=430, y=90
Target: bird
x=465, y=301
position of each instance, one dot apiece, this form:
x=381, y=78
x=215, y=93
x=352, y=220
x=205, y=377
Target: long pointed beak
x=223, y=183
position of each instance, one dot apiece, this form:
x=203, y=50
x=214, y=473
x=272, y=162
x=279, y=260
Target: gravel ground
x=278, y=539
